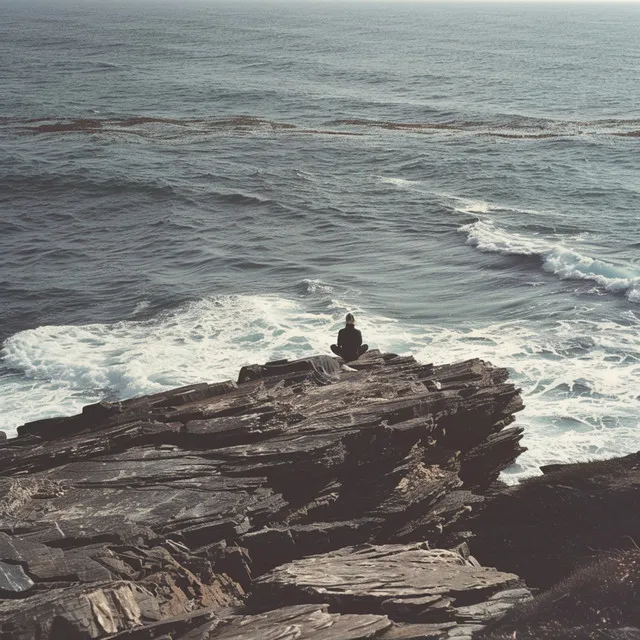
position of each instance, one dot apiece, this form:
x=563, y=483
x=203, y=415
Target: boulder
x=406, y=582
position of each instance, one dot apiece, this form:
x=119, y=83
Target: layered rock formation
x=303, y=501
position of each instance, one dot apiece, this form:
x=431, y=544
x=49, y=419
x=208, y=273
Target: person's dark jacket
x=349, y=339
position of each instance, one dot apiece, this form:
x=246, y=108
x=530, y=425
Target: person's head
x=350, y=320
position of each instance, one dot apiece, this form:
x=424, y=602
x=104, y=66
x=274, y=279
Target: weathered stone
x=427, y=631
x=191, y=494
x=13, y=580
x=303, y=622
x=405, y=582
x=494, y=608
x=91, y=611
x=177, y=628
x=270, y=547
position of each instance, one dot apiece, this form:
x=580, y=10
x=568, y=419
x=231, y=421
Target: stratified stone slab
x=13, y=580
x=406, y=582
x=302, y=622
x=177, y=501
x=91, y=611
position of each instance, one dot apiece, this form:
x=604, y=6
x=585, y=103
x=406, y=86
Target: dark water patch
x=246, y=265
x=138, y=124
x=532, y=262
x=396, y=126
x=7, y=227
x=607, y=122
x=63, y=127
x=326, y=132
x=174, y=225
x=49, y=185
x=164, y=127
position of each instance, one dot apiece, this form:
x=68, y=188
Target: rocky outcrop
x=299, y=487
x=597, y=602
x=551, y=525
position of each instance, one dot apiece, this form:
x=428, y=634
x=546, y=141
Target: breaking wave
x=63, y=368
x=579, y=377
x=565, y=262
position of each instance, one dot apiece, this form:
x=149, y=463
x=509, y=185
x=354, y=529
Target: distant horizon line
x=558, y=3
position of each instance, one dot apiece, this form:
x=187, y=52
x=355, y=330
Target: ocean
x=189, y=187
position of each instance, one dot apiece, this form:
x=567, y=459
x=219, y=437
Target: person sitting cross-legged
x=349, y=345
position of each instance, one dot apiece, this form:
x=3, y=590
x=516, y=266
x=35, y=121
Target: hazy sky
x=556, y=2
x=603, y=3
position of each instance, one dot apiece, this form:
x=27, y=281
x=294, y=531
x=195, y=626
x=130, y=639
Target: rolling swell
x=173, y=212
x=65, y=183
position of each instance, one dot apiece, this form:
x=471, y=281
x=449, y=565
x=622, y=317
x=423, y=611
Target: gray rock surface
x=302, y=622
x=406, y=582
x=177, y=503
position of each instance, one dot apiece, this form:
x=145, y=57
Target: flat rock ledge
x=305, y=500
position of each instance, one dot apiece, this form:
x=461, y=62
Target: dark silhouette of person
x=349, y=345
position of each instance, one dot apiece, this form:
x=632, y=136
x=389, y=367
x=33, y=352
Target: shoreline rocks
x=306, y=498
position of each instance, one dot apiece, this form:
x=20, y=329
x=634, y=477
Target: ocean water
x=189, y=187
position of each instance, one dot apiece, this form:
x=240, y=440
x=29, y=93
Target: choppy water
x=188, y=188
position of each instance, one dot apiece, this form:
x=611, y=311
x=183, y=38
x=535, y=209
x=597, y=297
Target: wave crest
x=562, y=261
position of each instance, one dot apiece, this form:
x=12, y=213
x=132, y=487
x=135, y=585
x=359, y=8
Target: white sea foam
x=461, y=204
x=314, y=286
x=62, y=368
x=475, y=206
x=141, y=306
x=580, y=379
x=580, y=384
x=564, y=262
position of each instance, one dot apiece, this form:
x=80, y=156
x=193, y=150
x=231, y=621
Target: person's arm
x=358, y=338
x=340, y=338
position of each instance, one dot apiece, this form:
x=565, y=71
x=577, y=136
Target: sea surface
x=189, y=187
